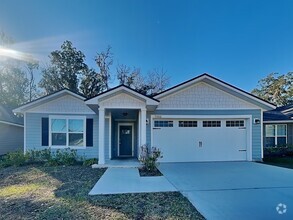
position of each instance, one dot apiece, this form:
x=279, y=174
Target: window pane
x=270, y=141
x=211, y=123
x=281, y=141
x=163, y=124
x=76, y=140
x=187, y=123
x=281, y=130
x=270, y=130
x=58, y=125
x=59, y=139
x=75, y=125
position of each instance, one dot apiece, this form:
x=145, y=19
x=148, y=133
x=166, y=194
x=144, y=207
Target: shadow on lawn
x=69, y=188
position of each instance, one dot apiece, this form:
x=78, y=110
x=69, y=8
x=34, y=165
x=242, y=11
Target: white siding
x=203, y=96
x=65, y=104
x=122, y=101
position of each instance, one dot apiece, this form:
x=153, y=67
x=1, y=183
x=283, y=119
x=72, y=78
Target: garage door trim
x=176, y=117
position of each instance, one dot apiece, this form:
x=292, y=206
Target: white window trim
x=276, y=133
x=67, y=117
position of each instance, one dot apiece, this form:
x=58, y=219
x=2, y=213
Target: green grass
x=286, y=162
x=38, y=192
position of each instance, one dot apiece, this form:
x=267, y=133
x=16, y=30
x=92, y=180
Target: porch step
x=118, y=164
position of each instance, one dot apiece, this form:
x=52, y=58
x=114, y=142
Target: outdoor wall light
x=256, y=121
x=124, y=114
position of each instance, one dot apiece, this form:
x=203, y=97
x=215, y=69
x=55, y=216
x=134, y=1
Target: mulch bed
x=145, y=172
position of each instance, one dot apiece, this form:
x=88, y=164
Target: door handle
x=200, y=144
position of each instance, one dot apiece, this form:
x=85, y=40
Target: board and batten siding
x=11, y=138
x=256, y=128
x=34, y=133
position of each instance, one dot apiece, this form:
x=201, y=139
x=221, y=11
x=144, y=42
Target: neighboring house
x=11, y=131
x=278, y=127
x=203, y=119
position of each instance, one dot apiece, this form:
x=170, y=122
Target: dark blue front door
x=125, y=140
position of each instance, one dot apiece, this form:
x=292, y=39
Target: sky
x=238, y=41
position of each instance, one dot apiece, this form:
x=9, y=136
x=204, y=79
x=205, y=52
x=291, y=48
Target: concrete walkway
x=234, y=190
x=128, y=180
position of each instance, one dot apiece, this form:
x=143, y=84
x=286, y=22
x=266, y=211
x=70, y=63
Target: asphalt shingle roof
x=279, y=114
x=7, y=115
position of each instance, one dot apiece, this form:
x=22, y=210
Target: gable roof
x=8, y=117
x=149, y=100
x=280, y=114
x=47, y=98
x=219, y=83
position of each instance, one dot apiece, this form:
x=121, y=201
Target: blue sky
x=239, y=41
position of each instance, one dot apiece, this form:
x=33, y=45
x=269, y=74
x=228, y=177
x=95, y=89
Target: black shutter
x=45, y=131
x=89, y=132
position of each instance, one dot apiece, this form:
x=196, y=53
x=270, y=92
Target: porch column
x=101, y=135
x=143, y=127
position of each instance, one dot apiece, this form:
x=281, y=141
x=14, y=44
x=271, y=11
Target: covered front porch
x=122, y=123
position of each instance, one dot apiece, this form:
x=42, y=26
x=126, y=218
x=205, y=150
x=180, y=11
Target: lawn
x=286, y=162
x=38, y=192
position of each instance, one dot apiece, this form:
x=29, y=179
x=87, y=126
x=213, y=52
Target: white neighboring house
x=203, y=119
x=11, y=131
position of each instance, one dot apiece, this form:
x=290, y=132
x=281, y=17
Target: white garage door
x=188, y=140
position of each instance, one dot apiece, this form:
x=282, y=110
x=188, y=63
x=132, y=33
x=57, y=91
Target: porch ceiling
x=123, y=114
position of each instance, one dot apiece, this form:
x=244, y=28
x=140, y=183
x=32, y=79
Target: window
x=211, y=123
x=160, y=124
x=187, y=123
x=276, y=135
x=67, y=131
x=235, y=123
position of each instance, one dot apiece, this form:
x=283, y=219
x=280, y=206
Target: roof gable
x=221, y=85
x=203, y=96
x=46, y=99
x=122, y=89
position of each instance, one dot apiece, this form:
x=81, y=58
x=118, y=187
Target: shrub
x=286, y=151
x=149, y=158
x=65, y=157
x=89, y=162
x=16, y=158
x=46, y=156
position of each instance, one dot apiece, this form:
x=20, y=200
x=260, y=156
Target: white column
x=139, y=129
x=24, y=132
x=101, y=135
x=143, y=127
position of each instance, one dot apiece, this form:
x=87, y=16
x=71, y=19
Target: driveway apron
x=234, y=190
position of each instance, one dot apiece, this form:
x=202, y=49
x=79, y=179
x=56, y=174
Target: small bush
x=47, y=157
x=16, y=158
x=90, y=162
x=286, y=151
x=149, y=158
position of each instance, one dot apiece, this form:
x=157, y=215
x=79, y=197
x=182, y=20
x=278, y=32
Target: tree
x=32, y=89
x=104, y=60
x=13, y=86
x=158, y=80
x=17, y=84
x=66, y=65
x=92, y=84
x=154, y=82
x=276, y=88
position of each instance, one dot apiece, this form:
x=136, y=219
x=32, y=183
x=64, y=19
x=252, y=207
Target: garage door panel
x=174, y=147
x=188, y=144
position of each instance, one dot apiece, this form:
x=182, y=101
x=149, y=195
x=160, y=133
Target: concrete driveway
x=234, y=190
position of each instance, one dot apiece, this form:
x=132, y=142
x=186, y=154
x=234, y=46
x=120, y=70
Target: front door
x=125, y=140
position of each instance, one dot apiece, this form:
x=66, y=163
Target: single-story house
x=202, y=119
x=11, y=131
x=278, y=126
